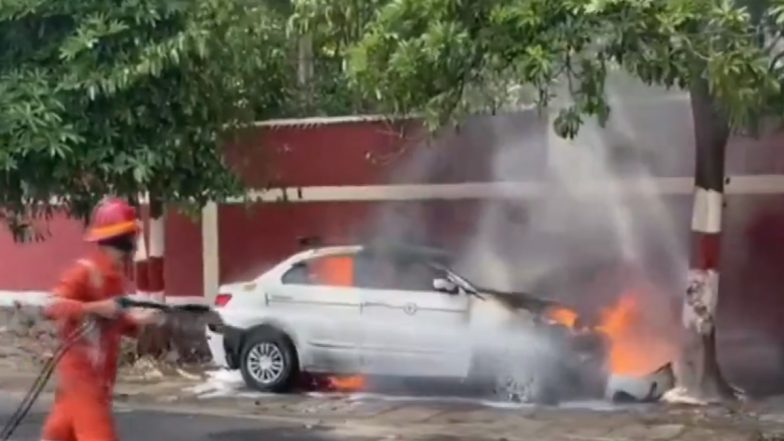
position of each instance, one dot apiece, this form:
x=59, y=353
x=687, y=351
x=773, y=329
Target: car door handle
x=279, y=297
x=410, y=308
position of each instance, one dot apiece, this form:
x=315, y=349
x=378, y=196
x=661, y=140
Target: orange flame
x=347, y=384
x=334, y=271
x=635, y=348
x=562, y=316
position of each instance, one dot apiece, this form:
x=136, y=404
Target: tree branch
x=569, y=74
x=774, y=61
x=774, y=43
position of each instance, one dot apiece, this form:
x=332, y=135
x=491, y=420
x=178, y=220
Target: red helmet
x=112, y=218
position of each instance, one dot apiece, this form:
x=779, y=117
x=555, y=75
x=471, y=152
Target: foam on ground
x=223, y=383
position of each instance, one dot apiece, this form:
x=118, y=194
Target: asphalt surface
x=141, y=425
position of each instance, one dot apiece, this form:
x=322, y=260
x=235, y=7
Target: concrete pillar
x=210, y=251
x=157, y=250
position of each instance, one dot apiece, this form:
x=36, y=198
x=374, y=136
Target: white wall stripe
x=740, y=185
x=154, y=296
x=8, y=298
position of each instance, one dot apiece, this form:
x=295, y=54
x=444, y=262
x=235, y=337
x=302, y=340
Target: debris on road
x=27, y=340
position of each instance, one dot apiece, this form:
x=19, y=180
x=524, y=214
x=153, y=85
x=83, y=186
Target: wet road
x=138, y=425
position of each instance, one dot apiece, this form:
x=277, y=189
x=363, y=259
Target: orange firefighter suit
x=86, y=372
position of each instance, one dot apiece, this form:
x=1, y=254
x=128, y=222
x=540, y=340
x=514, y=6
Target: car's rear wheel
x=268, y=361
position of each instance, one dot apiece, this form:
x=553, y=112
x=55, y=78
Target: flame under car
x=357, y=312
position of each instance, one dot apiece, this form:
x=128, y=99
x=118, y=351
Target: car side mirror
x=444, y=285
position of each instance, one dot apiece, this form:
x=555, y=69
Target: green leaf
x=409, y=59
x=128, y=96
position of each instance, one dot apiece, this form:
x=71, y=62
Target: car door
x=317, y=299
x=410, y=329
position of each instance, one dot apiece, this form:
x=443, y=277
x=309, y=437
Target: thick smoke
x=597, y=226
x=599, y=211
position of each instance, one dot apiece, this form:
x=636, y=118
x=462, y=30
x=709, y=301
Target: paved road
x=138, y=425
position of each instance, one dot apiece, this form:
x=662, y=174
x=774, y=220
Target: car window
x=374, y=272
x=418, y=276
x=382, y=272
x=326, y=271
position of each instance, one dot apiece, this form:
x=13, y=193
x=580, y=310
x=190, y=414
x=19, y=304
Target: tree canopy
x=130, y=96
x=429, y=55
x=136, y=95
x=333, y=27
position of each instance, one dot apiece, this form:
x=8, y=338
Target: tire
x=268, y=361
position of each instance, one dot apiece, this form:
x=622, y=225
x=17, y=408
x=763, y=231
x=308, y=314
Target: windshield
x=456, y=279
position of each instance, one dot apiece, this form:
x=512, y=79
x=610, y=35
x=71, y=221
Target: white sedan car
x=386, y=311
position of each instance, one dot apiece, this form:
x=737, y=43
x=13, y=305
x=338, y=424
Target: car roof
x=409, y=251
x=394, y=250
x=328, y=251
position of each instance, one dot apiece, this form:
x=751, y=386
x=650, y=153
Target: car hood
x=520, y=300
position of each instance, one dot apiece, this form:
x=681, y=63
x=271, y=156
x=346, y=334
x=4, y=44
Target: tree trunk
x=305, y=68
x=698, y=375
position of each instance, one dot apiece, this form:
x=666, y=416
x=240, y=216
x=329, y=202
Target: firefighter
x=88, y=291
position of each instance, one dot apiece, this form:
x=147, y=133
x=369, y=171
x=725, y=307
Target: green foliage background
x=132, y=96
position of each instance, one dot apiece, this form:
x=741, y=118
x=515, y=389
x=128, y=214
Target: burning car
x=398, y=311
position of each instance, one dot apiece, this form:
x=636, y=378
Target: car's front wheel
x=268, y=361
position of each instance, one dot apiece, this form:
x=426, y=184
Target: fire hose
x=85, y=328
